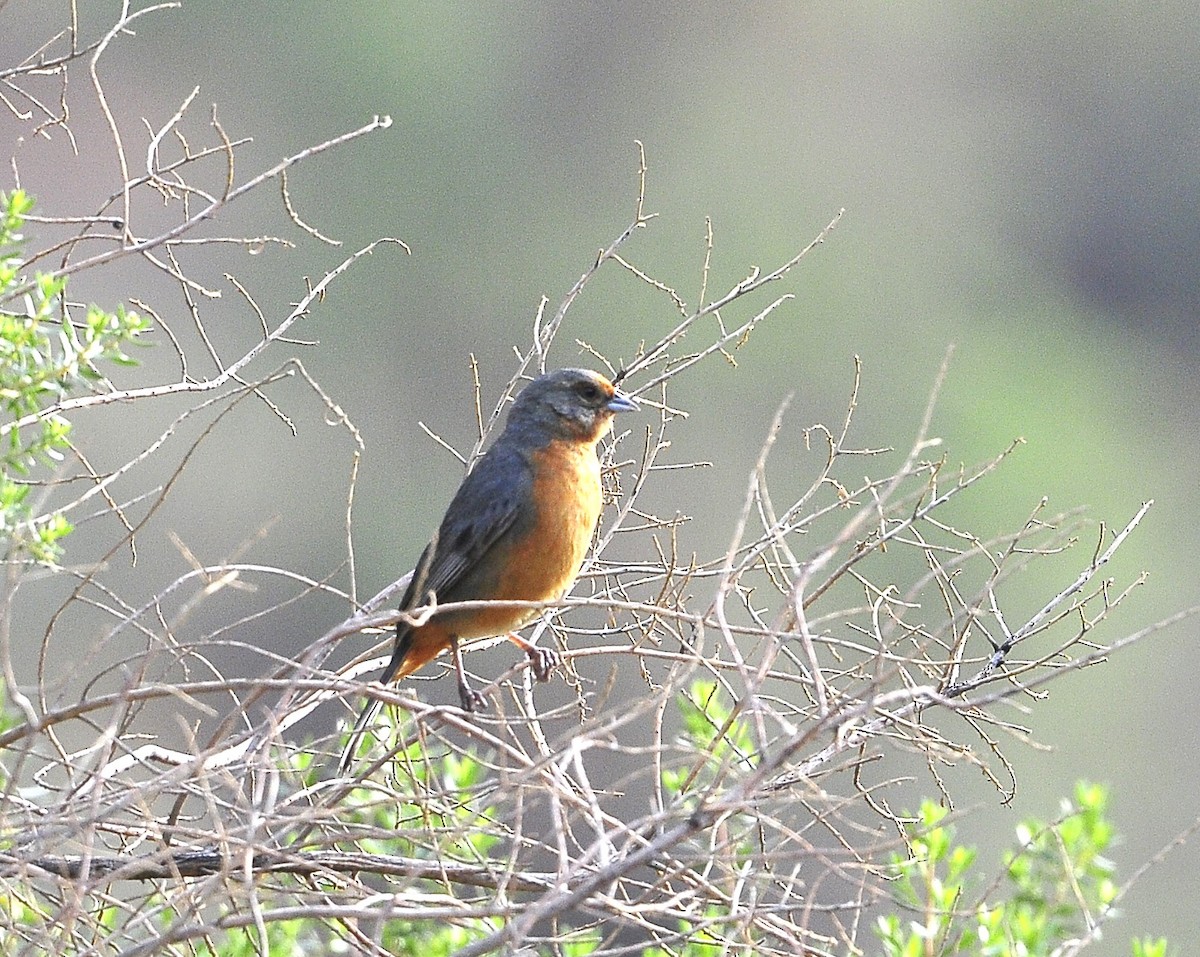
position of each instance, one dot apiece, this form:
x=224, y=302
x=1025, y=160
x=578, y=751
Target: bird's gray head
x=569, y=403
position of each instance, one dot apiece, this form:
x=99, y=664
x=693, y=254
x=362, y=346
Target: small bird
x=517, y=529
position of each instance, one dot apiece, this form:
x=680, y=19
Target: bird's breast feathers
x=567, y=496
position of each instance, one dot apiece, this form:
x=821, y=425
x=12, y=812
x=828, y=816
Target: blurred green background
x=1019, y=180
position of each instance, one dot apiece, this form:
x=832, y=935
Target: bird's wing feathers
x=491, y=499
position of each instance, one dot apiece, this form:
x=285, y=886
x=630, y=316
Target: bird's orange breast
x=543, y=561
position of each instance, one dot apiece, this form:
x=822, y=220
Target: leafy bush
x=1056, y=885
x=46, y=357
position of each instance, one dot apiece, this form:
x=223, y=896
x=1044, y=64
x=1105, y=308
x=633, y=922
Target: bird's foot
x=471, y=699
x=543, y=661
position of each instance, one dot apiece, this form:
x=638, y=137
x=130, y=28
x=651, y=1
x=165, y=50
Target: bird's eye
x=589, y=391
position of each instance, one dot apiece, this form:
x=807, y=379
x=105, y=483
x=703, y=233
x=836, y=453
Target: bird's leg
x=471, y=699
x=541, y=660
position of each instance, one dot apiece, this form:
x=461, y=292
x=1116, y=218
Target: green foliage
x=285, y=938
x=407, y=816
x=406, y=938
x=1150, y=948
x=713, y=735
x=701, y=939
x=1056, y=883
x=718, y=741
x=1045, y=907
x=45, y=358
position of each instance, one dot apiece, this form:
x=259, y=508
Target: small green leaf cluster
x=431, y=798
x=717, y=742
x=297, y=937
x=1056, y=885
x=702, y=938
x=711, y=734
x=45, y=358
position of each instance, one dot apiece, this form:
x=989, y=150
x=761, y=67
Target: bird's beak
x=620, y=402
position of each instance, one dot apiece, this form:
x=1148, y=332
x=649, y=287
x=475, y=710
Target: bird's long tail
x=401, y=665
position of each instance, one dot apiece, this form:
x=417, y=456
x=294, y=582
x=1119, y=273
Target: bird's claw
x=471, y=699
x=543, y=661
